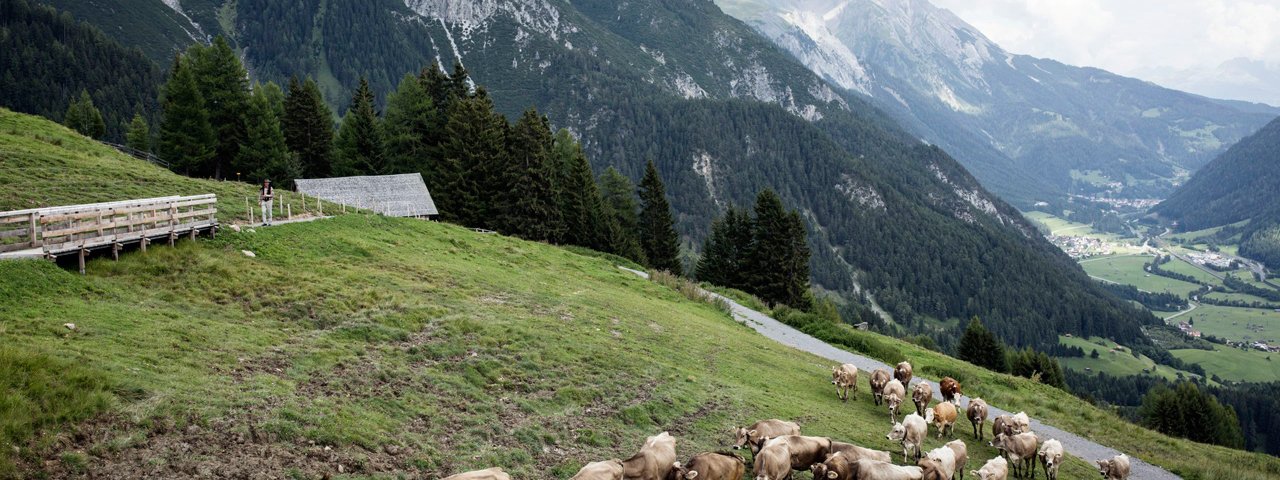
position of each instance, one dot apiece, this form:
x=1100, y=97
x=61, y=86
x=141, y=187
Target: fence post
x=289, y=209
x=35, y=229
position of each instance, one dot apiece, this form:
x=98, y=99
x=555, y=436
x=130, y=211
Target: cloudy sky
x=1220, y=48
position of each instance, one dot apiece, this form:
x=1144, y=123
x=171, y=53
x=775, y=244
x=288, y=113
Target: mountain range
x=1242, y=184
x=724, y=113
x=1030, y=129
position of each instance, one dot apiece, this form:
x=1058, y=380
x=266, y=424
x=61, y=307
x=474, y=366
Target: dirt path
x=1072, y=443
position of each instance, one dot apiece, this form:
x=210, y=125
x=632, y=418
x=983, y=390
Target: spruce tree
x=308, y=128
x=139, y=134
x=186, y=138
x=980, y=347
x=528, y=207
x=264, y=154
x=777, y=263
x=360, y=149
x=409, y=123
x=623, y=224
x=224, y=83
x=580, y=202
x=724, y=251
x=657, y=231
x=82, y=116
x=468, y=170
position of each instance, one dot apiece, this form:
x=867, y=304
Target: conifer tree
x=580, y=202
x=308, y=128
x=777, y=263
x=264, y=154
x=657, y=232
x=138, y=136
x=468, y=169
x=980, y=347
x=186, y=138
x=360, y=149
x=725, y=250
x=224, y=84
x=82, y=116
x=409, y=123
x=528, y=207
x=623, y=224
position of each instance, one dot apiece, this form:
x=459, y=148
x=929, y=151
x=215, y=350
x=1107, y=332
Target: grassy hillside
x=46, y=164
x=382, y=347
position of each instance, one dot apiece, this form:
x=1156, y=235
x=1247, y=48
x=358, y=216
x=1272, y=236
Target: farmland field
x=1234, y=364
x=1127, y=270
x=1117, y=363
x=1237, y=324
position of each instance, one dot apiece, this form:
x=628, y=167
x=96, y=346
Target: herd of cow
x=778, y=448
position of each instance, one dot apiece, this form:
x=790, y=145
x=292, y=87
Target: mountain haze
x=1029, y=128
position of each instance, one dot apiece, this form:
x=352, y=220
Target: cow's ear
x=752, y=433
x=691, y=475
x=832, y=475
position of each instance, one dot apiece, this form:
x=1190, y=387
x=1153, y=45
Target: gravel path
x=1072, y=443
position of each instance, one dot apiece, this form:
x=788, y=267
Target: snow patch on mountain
x=471, y=16
x=702, y=165
x=198, y=35
x=685, y=84
x=861, y=193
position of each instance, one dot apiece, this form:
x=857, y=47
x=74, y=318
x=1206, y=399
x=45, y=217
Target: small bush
x=690, y=290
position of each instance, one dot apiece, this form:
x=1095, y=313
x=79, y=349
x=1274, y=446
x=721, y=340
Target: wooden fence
x=55, y=231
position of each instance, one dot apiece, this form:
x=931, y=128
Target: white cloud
x=1133, y=37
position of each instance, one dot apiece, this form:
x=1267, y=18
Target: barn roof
x=403, y=195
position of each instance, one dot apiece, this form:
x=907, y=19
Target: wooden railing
x=55, y=231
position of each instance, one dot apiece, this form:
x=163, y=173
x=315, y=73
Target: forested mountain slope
x=724, y=114
x=1005, y=116
x=50, y=58
x=1241, y=184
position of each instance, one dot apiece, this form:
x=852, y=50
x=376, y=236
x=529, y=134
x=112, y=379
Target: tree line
x=765, y=254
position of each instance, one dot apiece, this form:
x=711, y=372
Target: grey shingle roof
x=403, y=195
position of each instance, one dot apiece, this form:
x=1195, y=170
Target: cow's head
x=928, y=415
x=741, y=435
x=835, y=375
x=1051, y=462
x=1021, y=423
x=930, y=469
x=893, y=400
x=897, y=433
x=819, y=470
x=1104, y=468
x=998, y=441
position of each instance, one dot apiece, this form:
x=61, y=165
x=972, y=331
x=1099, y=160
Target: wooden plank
x=121, y=223
x=21, y=232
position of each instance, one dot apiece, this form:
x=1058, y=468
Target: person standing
x=265, y=194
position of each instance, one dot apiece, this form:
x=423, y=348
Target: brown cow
x=494, y=473
x=754, y=435
x=1050, y=455
x=879, y=379
x=962, y=455
x=995, y=469
x=709, y=466
x=894, y=394
x=1116, y=468
x=921, y=395
x=943, y=416
x=1020, y=449
x=836, y=467
x=773, y=462
x=845, y=378
x=977, y=413
x=606, y=470
x=854, y=453
x=950, y=389
x=653, y=461
x=1003, y=424
x=805, y=451
x=938, y=464
x=877, y=470
x=903, y=373
x=911, y=433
